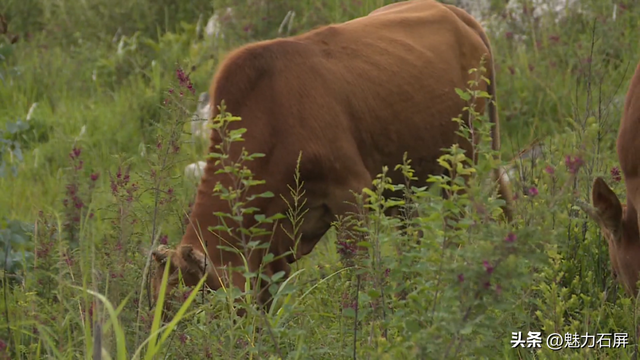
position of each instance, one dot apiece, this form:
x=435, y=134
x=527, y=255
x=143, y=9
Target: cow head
x=185, y=263
x=620, y=229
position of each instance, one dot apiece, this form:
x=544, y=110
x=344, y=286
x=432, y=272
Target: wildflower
x=75, y=153
x=95, y=176
x=615, y=173
x=510, y=238
x=72, y=189
x=461, y=278
x=164, y=239
x=184, y=81
x=487, y=266
x=533, y=191
x=573, y=164
x=182, y=77
x=175, y=147
x=346, y=248
x=549, y=170
x=79, y=204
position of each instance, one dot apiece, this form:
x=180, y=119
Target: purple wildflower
x=615, y=173
x=549, y=170
x=573, y=164
x=487, y=266
x=346, y=248
x=510, y=238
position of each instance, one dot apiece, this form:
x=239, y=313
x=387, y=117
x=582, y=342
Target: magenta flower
x=549, y=170
x=615, y=173
x=184, y=81
x=573, y=164
x=487, y=266
x=510, y=238
x=346, y=248
x=75, y=153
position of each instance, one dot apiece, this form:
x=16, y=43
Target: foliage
x=16, y=245
x=92, y=181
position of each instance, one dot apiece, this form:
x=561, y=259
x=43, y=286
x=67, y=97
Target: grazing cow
x=352, y=97
x=619, y=222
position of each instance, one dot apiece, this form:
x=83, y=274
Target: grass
x=92, y=181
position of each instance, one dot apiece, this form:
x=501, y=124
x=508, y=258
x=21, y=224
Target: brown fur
x=352, y=97
x=619, y=222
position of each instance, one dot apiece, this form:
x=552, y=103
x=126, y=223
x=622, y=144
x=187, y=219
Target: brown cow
x=619, y=222
x=351, y=97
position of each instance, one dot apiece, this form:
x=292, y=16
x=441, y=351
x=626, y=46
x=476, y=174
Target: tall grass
x=93, y=182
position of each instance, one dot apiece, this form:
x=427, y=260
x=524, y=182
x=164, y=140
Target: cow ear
x=192, y=257
x=160, y=254
x=608, y=210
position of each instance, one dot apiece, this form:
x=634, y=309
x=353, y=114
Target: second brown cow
x=619, y=222
x=352, y=97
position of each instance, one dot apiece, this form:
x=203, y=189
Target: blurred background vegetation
x=84, y=88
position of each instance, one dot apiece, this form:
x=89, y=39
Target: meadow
x=95, y=135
